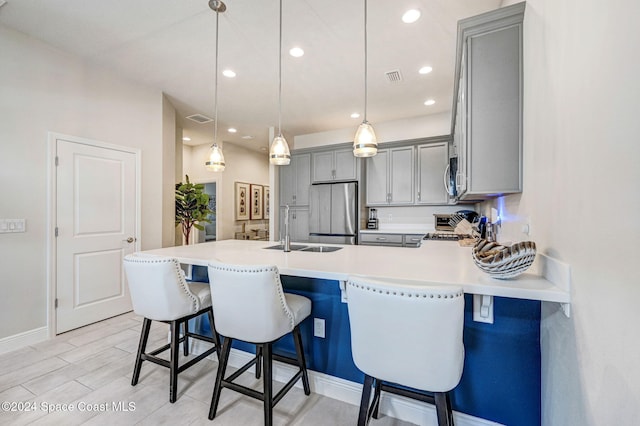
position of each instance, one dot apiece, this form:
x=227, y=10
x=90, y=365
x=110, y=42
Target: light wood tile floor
x=88, y=370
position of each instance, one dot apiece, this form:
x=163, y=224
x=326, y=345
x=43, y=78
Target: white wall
x=242, y=165
x=389, y=131
x=44, y=90
x=581, y=197
x=168, y=172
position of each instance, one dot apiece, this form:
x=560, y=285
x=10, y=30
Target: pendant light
x=279, y=153
x=365, y=143
x=215, y=162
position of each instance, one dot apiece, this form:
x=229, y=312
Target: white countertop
x=435, y=262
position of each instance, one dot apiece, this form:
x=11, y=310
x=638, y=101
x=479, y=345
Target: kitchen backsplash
x=515, y=223
x=414, y=215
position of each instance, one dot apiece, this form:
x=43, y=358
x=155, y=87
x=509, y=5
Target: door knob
x=130, y=240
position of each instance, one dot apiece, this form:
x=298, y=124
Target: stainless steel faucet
x=287, y=238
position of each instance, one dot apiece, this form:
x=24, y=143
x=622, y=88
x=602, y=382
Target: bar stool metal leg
x=173, y=360
x=376, y=398
x=142, y=347
x=223, y=358
x=443, y=409
x=258, y=360
x=363, y=416
x=268, y=384
x=214, y=333
x=185, y=341
x=297, y=337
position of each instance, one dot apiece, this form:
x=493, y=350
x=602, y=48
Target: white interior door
x=96, y=220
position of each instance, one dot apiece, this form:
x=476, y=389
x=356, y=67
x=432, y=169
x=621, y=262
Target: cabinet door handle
x=381, y=239
x=446, y=181
x=416, y=239
x=419, y=196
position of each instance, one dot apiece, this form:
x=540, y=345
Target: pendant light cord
x=280, y=76
x=215, y=96
x=365, y=61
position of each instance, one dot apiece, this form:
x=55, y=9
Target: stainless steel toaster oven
x=442, y=222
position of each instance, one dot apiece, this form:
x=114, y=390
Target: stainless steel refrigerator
x=333, y=213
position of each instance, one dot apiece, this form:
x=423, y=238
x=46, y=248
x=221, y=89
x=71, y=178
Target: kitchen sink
x=292, y=246
x=321, y=249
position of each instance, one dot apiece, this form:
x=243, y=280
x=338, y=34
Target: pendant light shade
x=365, y=143
x=216, y=159
x=279, y=153
x=215, y=162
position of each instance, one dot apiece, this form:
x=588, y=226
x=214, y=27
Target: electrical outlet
x=318, y=327
x=483, y=308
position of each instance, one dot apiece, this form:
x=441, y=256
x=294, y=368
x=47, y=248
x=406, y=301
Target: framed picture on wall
x=242, y=201
x=265, y=209
x=256, y=201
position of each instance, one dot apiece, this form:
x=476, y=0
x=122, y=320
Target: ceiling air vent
x=394, y=76
x=199, y=118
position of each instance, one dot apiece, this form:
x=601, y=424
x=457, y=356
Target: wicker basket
x=503, y=262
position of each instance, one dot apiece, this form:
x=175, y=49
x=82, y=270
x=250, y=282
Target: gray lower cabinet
x=433, y=162
x=412, y=240
x=295, y=180
x=390, y=240
x=298, y=224
x=379, y=239
x=488, y=112
x=390, y=177
x=334, y=166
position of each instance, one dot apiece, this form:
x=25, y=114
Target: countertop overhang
x=435, y=262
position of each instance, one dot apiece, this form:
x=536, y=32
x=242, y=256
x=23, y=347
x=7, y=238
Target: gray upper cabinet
x=390, y=177
x=487, y=124
x=432, y=164
x=333, y=166
x=295, y=180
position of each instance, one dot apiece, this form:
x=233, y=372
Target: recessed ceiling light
x=425, y=70
x=411, y=16
x=186, y=139
x=231, y=130
x=229, y=73
x=429, y=102
x=355, y=115
x=296, y=52
x=247, y=137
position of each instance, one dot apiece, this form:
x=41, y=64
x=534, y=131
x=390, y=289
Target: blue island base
x=501, y=378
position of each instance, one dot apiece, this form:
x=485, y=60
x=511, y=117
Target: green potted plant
x=192, y=207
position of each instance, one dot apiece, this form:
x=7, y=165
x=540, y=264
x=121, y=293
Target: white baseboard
x=20, y=340
x=347, y=391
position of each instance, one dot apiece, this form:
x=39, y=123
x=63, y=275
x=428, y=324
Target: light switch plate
x=10, y=226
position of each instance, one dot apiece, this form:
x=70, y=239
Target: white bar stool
x=159, y=292
x=250, y=305
x=406, y=335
